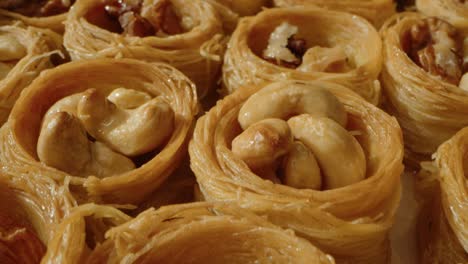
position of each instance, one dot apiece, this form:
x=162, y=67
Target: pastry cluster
x=222, y=131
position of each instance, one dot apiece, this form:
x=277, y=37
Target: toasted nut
x=162, y=16
x=278, y=101
x=11, y=48
x=130, y=132
x=301, y=169
x=128, y=98
x=63, y=144
x=67, y=104
x=106, y=162
x=263, y=143
x=435, y=46
x=277, y=49
x=319, y=59
x=464, y=82
x=339, y=154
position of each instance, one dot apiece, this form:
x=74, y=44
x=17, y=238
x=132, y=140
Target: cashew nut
x=280, y=101
x=11, y=48
x=320, y=59
x=464, y=82
x=67, y=104
x=130, y=132
x=128, y=98
x=63, y=144
x=261, y=144
x=339, y=154
x=301, y=169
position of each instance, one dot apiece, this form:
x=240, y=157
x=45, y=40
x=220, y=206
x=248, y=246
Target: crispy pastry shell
x=244, y=65
x=197, y=53
x=186, y=233
x=19, y=135
x=350, y=223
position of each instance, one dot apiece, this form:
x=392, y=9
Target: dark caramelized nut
x=435, y=46
x=164, y=18
x=297, y=46
x=135, y=25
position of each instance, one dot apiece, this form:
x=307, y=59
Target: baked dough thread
x=350, y=223
x=20, y=134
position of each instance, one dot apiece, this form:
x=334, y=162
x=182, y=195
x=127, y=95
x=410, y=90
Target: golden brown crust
x=444, y=219
x=429, y=109
x=453, y=11
x=20, y=135
x=320, y=28
x=195, y=233
x=376, y=11
x=196, y=52
x=39, y=46
x=356, y=218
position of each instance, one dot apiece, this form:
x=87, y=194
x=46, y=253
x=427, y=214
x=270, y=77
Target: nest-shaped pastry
x=24, y=53
x=30, y=210
x=187, y=35
x=186, y=233
x=376, y=11
x=48, y=14
x=422, y=80
x=453, y=11
x=116, y=128
x=350, y=209
x=443, y=227
x=243, y=7
x=305, y=43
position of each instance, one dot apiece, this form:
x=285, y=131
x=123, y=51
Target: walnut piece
x=435, y=46
x=158, y=19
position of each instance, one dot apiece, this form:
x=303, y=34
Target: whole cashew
x=301, y=169
x=67, y=104
x=63, y=144
x=128, y=98
x=260, y=145
x=277, y=101
x=123, y=98
x=130, y=132
x=11, y=48
x=339, y=154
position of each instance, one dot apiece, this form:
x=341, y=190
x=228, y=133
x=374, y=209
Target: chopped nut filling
x=287, y=50
x=435, y=46
x=37, y=8
x=163, y=17
x=131, y=18
x=278, y=50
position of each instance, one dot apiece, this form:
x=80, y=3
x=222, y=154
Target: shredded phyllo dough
x=199, y=232
x=188, y=35
x=443, y=228
x=24, y=53
x=289, y=150
x=304, y=44
x=376, y=11
x=126, y=124
x=424, y=78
